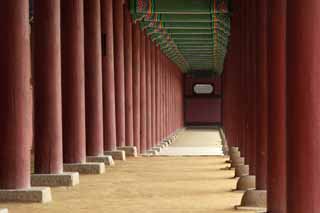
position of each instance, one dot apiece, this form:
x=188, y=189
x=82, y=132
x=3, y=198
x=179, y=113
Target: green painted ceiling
x=192, y=33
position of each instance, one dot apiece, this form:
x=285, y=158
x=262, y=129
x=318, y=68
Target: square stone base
x=158, y=149
x=85, y=168
x=55, y=180
x=3, y=210
x=117, y=154
x=164, y=144
x=152, y=152
x=106, y=159
x=131, y=151
x=249, y=208
x=31, y=195
x=168, y=141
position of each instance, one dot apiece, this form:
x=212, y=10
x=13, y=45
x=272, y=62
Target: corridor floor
x=146, y=185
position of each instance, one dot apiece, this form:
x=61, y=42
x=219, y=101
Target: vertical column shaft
x=118, y=27
x=143, y=96
x=148, y=92
x=262, y=89
x=73, y=94
x=136, y=86
x=15, y=95
x=93, y=78
x=303, y=111
x=153, y=77
x=128, y=76
x=109, y=107
x=277, y=196
x=47, y=87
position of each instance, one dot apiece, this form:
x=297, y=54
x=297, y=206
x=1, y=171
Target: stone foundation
x=131, y=151
x=246, y=183
x=55, y=180
x=85, y=168
x=255, y=200
x=31, y=195
x=117, y=154
x=242, y=170
x=106, y=159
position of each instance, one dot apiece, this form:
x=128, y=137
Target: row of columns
x=275, y=89
x=98, y=83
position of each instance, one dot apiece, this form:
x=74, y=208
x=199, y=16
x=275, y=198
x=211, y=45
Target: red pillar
x=47, y=88
x=143, y=94
x=136, y=86
x=262, y=92
x=277, y=197
x=15, y=95
x=118, y=27
x=109, y=108
x=73, y=94
x=157, y=80
x=148, y=92
x=153, y=105
x=93, y=78
x=128, y=76
x=303, y=106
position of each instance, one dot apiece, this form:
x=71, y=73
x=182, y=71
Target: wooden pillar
x=109, y=110
x=15, y=95
x=262, y=98
x=157, y=80
x=47, y=87
x=143, y=94
x=277, y=196
x=128, y=76
x=136, y=86
x=303, y=105
x=73, y=94
x=153, y=105
x=148, y=93
x=93, y=78
x=118, y=27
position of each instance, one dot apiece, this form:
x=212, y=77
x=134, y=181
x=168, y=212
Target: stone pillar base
x=254, y=200
x=237, y=162
x=3, y=210
x=116, y=154
x=152, y=152
x=55, y=180
x=85, y=168
x=106, y=159
x=246, y=183
x=168, y=141
x=235, y=155
x=131, y=151
x=242, y=170
x=157, y=149
x=165, y=144
x=31, y=195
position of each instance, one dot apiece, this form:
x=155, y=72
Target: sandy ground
x=155, y=184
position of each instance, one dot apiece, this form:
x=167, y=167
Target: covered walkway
x=189, y=184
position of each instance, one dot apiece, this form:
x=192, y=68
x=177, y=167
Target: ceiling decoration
x=194, y=34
